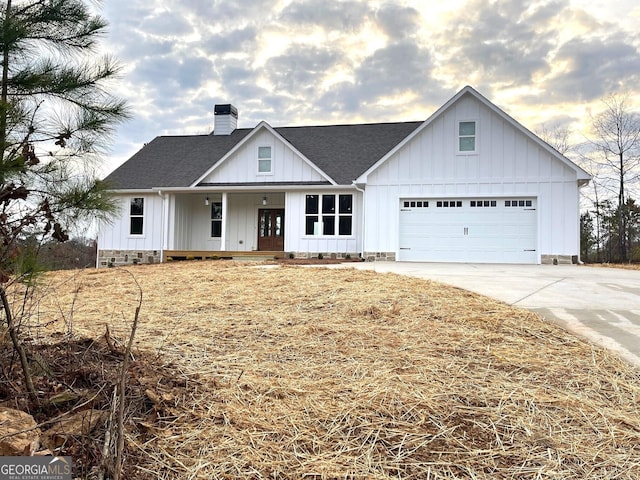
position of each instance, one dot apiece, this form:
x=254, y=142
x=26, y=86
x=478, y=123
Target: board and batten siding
x=297, y=241
x=116, y=236
x=507, y=163
x=242, y=165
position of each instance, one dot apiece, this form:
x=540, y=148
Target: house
x=469, y=184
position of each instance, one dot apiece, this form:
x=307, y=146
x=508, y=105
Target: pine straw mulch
x=623, y=266
x=291, y=372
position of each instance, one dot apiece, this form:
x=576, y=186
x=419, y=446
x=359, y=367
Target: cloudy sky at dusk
x=312, y=62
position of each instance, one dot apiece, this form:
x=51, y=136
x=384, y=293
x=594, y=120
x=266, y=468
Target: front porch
x=228, y=225
x=218, y=224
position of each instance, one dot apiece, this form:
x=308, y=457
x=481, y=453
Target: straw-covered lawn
x=293, y=372
x=624, y=266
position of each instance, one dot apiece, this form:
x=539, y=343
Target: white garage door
x=474, y=230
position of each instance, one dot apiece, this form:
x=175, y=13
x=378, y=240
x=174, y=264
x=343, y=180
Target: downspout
x=361, y=190
x=163, y=223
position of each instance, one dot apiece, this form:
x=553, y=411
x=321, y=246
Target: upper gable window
x=264, y=160
x=467, y=137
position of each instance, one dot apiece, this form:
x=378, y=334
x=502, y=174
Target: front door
x=271, y=229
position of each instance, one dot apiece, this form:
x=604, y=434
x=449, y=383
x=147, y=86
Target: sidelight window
x=216, y=219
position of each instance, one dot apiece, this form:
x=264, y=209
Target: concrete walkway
x=601, y=304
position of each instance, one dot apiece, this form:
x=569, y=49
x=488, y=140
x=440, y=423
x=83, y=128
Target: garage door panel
x=469, y=230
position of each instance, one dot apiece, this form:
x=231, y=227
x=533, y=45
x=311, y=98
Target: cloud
x=165, y=24
x=346, y=16
x=316, y=61
x=504, y=43
x=398, y=22
x=229, y=41
x=594, y=68
x=301, y=68
x=395, y=68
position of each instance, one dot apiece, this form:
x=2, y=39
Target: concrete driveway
x=601, y=304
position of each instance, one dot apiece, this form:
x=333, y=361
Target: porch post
x=164, y=224
x=223, y=236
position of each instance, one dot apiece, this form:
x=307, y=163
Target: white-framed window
x=136, y=216
x=329, y=215
x=216, y=219
x=467, y=136
x=264, y=160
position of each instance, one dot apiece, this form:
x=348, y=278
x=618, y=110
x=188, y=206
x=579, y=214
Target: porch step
x=252, y=258
x=215, y=255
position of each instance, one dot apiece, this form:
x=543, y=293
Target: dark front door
x=271, y=229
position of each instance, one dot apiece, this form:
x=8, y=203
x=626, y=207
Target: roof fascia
x=248, y=137
x=133, y=191
x=581, y=173
x=250, y=188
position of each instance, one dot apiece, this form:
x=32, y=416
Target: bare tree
x=617, y=144
x=557, y=136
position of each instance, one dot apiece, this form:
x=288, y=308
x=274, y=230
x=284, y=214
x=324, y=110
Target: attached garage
x=474, y=230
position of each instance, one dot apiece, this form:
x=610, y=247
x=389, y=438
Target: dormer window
x=467, y=139
x=264, y=160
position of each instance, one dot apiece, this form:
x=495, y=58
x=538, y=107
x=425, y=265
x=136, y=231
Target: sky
x=314, y=62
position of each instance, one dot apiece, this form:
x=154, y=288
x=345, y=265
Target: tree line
x=610, y=213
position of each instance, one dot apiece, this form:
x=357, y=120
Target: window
x=467, y=137
x=264, y=160
x=484, y=203
x=448, y=204
x=518, y=203
x=328, y=215
x=136, y=216
x=345, y=214
x=216, y=219
x=418, y=204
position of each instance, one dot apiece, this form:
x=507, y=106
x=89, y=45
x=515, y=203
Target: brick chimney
x=225, y=119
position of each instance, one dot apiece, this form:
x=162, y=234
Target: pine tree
x=55, y=115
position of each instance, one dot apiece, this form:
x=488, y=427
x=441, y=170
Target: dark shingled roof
x=173, y=161
x=343, y=152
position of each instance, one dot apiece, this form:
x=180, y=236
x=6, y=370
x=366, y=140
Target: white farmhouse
x=469, y=184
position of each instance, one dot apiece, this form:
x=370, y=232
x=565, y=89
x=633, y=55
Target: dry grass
x=292, y=372
x=623, y=266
